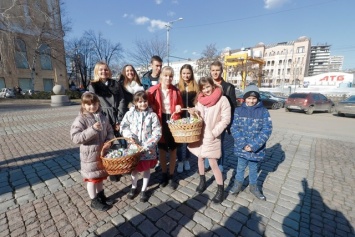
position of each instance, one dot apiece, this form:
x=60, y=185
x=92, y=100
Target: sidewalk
x=308, y=182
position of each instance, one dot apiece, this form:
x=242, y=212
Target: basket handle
x=140, y=148
x=195, y=114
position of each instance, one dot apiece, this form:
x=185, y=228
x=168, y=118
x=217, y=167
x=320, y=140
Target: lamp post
x=168, y=26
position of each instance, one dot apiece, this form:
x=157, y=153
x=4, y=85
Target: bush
x=73, y=94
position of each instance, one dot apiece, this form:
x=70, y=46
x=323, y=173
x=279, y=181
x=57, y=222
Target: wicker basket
x=122, y=165
x=186, y=133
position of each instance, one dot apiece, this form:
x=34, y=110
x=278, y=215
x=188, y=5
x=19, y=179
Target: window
x=300, y=49
x=20, y=54
x=2, y=82
x=48, y=84
x=280, y=62
x=45, y=57
x=25, y=84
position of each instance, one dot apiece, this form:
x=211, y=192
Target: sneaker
x=180, y=167
x=187, y=165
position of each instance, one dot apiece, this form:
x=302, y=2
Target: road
x=321, y=124
x=307, y=177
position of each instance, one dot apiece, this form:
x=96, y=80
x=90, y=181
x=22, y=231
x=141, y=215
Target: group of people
x=139, y=110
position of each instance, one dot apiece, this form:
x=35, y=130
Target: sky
x=229, y=24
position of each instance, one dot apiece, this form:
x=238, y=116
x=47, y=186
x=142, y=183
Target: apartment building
x=31, y=47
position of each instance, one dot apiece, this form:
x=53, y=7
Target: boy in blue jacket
x=251, y=129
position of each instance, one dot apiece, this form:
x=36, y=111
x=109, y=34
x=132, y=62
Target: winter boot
x=131, y=194
x=218, y=198
x=237, y=187
x=106, y=200
x=98, y=204
x=171, y=182
x=164, y=180
x=202, y=185
x=144, y=196
x=115, y=178
x=255, y=190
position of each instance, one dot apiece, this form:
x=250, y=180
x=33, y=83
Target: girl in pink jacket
x=215, y=109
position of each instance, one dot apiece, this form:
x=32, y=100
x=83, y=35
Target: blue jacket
x=251, y=126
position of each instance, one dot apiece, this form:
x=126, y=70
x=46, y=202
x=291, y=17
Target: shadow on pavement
x=312, y=217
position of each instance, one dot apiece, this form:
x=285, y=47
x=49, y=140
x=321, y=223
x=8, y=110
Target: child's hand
x=247, y=148
x=97, y=126
x=131, y=140
x=105, y=147
x=192, y=111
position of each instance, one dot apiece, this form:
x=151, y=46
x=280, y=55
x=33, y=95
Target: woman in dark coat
x=111, y=97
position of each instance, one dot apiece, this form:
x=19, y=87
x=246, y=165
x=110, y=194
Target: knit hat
x=251, y=90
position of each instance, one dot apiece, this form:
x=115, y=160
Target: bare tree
x=104, y=49
x=83, y=53
x=80, y=57
x=209, y=55
x=42, y=22
x=145, y=49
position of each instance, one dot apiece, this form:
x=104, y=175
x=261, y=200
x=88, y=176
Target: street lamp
x=168, y=26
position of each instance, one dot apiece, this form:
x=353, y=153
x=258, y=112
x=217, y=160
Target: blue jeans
x=253, y=170
x=220, y=161
x=180, y=152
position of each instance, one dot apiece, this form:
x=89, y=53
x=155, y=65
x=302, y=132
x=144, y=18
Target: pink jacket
x=216, y=119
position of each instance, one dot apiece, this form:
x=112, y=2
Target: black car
x=267, y=101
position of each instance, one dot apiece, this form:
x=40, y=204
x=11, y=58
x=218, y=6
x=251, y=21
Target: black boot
x=144, y=196
x=202, y=185
x=115, y=178
x=131, y=194
x=171, y=182
x=218, y=198
x=164, y=180
x=98, y=204
x=106, y=200
x=255, y=190
x=237, y=187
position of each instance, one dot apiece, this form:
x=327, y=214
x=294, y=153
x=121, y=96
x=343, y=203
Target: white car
x=6, y=93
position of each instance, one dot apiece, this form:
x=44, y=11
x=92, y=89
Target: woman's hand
x=178, y=108
x=116, y=127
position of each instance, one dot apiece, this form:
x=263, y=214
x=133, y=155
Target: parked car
x=309, y=102
x=7, y=93
x=346, y=106
x=269, y=94
x=267, y=102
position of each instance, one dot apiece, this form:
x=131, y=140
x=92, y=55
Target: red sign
x=332, y=78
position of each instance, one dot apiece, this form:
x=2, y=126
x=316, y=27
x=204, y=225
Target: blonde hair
x=96, y=71
x=166, y=69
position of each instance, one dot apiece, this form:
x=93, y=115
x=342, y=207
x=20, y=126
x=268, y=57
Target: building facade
x=32, y=52
x=319, y=60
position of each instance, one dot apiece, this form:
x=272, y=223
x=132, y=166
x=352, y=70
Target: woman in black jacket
x=111, y=98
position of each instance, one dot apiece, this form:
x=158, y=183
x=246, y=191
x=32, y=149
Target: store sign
x=333, y=78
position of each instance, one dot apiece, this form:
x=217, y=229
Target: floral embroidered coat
x=144, y=127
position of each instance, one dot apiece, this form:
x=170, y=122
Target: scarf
x=212, y=99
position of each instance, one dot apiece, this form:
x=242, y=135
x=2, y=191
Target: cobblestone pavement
x=308, y=182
